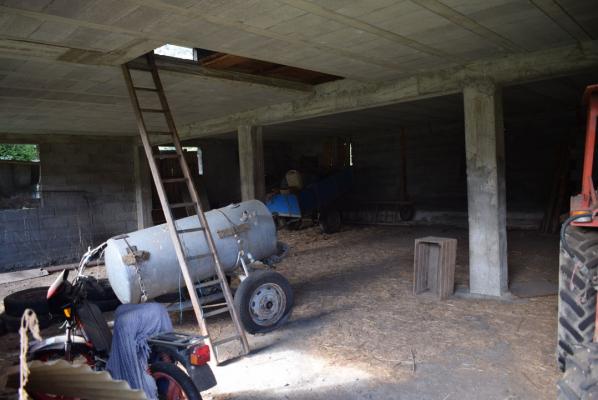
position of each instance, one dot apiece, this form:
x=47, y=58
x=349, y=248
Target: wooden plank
x=22, y=275
x=58, y=268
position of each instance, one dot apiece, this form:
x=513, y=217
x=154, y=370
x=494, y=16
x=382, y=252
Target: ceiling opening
x=230, y=62
x=172, y=50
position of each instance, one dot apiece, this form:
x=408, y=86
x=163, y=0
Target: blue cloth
x=134, y=324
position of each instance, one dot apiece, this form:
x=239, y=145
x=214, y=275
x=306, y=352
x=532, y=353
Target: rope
x=29, y=323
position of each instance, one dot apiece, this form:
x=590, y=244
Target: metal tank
x=148, y=255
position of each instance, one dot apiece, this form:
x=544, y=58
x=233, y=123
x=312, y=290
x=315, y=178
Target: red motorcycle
x=178, y=362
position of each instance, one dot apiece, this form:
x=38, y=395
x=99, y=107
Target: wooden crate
x=434, y=266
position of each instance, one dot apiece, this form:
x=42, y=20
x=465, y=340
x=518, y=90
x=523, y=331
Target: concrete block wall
x=88, y=195
x=436, y=171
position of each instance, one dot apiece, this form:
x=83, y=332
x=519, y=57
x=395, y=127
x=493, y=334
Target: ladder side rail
x=165, y=204
x=195, y=198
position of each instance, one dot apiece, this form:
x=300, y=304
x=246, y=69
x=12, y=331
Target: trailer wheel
x=580, y=381
x=330, y=221
x=264, y=300
x=577, y=297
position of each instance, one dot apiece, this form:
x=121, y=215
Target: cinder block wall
x=88, y=195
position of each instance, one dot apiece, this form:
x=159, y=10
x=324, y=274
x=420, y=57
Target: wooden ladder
x=175, y=233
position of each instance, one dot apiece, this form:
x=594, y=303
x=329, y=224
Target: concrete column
x=143, y=188
x=486, y=189
x=251, y=162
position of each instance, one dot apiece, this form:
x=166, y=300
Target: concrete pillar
x=251, y=162
x=486, y=189
x=143, y=188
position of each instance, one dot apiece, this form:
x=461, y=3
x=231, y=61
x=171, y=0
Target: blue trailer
x=318, y=201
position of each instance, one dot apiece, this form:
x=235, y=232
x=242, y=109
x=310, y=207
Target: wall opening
x=20, y=186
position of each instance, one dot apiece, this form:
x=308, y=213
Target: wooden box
x=434, y=266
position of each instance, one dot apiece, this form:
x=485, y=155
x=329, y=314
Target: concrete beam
x=251, y=162
x=348, y=95
x=170, y=64
x=70, y=137
x=486, y=189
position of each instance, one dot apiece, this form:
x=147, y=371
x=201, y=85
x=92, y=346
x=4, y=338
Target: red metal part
x=586, y=201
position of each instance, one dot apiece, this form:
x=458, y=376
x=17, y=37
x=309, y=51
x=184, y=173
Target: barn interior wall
x=436, y=173
x=87, y=196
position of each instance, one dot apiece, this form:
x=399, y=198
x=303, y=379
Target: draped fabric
x=134, y=324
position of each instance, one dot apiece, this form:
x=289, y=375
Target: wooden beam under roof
x=193, y=68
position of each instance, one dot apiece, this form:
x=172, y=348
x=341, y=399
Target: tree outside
x=19, y=152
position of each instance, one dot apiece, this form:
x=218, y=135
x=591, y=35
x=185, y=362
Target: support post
x=251, y=162
x=143, y=189
x=486, y=189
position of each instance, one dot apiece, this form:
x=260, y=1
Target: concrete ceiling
x=59, y=58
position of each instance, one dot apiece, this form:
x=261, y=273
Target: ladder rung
x=208, y=283
x=215, y=312
x=145, y=89
x=145, y=69
x=157, y=133
x=174, y=180
x=196, y=257
x=152, y=110
x=181, y=205
x=198, y=229
x=166, y=155
x=226, y=340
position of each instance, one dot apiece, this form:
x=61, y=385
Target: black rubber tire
x=95, y=295
x=245, y=291
x=330, y=221
x=179, y=376
x=12, y=323
x=406, y=212
x=107, y=305
x=16, y=303
x=576, y=314
x=580, y=380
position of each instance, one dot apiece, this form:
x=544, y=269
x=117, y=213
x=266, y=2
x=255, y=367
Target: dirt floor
x=358, y=332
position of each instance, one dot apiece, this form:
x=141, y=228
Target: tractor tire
x=580, y=380
x=577, y=297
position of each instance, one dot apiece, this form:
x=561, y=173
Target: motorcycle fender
x=202, y=376
x=53, y=343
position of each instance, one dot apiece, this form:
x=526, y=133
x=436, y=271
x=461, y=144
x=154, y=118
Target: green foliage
x=19, y=152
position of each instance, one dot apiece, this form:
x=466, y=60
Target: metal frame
x=586, y=202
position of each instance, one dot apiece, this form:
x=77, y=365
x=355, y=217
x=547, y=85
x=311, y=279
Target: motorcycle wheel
x=173, y=383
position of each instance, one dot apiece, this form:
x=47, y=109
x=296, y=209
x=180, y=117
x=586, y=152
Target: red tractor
x=577, y=349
